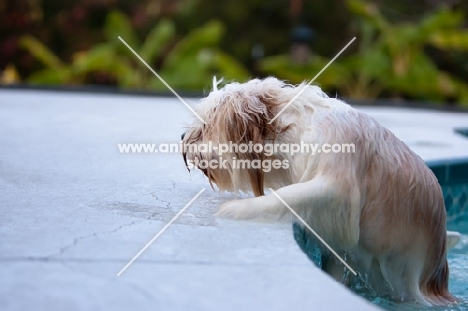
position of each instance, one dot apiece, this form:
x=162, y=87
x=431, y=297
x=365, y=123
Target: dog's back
x=403, y=220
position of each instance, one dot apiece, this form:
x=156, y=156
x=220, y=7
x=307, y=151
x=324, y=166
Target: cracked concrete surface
x=74, y=211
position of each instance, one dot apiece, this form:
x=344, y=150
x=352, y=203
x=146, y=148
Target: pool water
x=458, y=264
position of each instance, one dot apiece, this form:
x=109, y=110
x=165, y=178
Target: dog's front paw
x=236, y=209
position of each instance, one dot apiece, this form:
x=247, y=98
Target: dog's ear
x=247, y=121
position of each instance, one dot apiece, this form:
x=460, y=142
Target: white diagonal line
x=312, y=230
x=310, y=82
x=162, y=80
x=160, y=232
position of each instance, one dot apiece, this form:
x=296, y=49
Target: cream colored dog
x=380, y=207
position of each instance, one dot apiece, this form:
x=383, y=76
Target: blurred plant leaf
x=157, y=40
x=369, y=12
x=230, y=68
x=117, y=25
x=372, y=62
x=104, y=58
x=100, y=57
x=463, y=90
x=450, y=40
x=50, y=76
x=440, y=20
x=41, y=52
x=282, y=66
x=208, y=35
x=188, y=72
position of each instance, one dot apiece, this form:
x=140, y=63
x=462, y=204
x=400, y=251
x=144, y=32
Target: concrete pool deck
x=74, y=211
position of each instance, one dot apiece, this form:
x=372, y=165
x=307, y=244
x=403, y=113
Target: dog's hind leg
x=332, y=210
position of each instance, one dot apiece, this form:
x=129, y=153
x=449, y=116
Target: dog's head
x=237, y=114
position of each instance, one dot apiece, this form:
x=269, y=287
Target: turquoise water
x=458, y=264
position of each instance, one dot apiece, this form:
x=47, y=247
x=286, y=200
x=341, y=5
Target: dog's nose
x=182, y=136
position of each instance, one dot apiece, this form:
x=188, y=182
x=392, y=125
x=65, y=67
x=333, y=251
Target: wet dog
x=380, y=206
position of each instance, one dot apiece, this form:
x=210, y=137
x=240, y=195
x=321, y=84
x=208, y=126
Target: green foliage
x=196, y=58
x=188, y=63
x=41, y=52
x=391, y=59
x=157, y=39
x=56, y=71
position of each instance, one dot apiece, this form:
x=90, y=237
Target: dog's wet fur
x=381, y=206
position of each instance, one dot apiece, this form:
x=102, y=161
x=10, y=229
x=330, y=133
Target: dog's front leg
x=333, y=210
x=268, y=206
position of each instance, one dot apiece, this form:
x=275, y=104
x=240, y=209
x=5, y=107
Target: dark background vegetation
x=404, y=49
